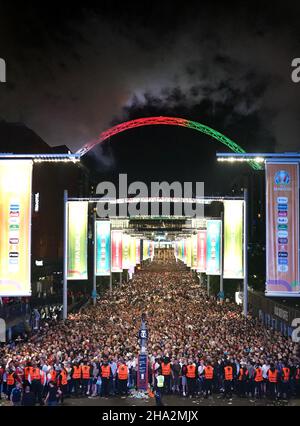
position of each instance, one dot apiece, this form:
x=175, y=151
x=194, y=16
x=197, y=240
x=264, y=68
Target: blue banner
x=213, y=253
x=142, y=376
x=103, y=251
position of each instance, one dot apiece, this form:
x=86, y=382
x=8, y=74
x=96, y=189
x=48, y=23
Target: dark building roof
x=17, y=138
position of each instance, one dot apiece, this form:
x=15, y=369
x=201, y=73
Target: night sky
x=73, y=71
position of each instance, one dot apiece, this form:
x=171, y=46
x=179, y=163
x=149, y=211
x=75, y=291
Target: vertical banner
x=141, y=249
x=77, y=240
x=149, y=249
x=189, y=252
x=152, y=249
x=145, y=249
x=194, y=251
x=116, y=251
x=103, y=248
x=15, y=223
x=233, y=239
x=126, y=251
x=213, y=253
x=138, y=251
x=132, y=251
x=185, y=251
x=282, y=215
x=201, y=250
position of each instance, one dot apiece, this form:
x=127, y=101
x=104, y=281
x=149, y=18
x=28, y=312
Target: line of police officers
x=78, y=380
x=229, y=378
x=225, y=377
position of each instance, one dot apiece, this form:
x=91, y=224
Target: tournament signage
x=77, y=240
x=15, y=221
x=146, y=249
x=126, y=251
x=142, y=377
x=213, y=253
x=138, y=251
x=103, y=254
x=282, y=242
x=132, y=252
x=116, y=251
x=189, y=252
x=194, y=249
x=201, y=251
x=233, y=239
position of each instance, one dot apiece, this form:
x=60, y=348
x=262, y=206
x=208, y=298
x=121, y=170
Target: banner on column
x=116, y=251
x=201, y=252
x=138, y=251
x=282, y=242
x=213, y=253
x=194, y=249
x=146, y=249
x=77, y=240
x=126, y=251
x=132, y=252
x=103, y=254
x=185, y=251
x=152, y=248
x=189, y=252
x=15, y=232
x=233, y=239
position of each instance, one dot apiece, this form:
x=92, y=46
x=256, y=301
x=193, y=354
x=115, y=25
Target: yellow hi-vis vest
x=160, y=381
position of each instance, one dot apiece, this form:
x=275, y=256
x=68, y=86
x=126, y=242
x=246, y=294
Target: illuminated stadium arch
x=173, y=121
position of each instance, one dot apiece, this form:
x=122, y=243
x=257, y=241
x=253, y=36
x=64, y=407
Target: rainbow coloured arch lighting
x=172, y=121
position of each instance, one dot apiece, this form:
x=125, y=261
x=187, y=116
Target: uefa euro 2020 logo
x=282, y=178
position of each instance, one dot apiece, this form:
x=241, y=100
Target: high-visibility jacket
x=123, y=372
x=243, y=373
x=160, y=381
x=298, y=374
x=36, y=374
x=85, y=371
x=273, y=376
x=63, y=378
x=10, y=380
x=228, y=372
x=105, y=371
x=27, y=372
x=208, y=372
x=76, y=372
x=258, y=375
x=286, y=374
x=53, y=375
x=166, y=369
x=43, y=377
x=191, y=371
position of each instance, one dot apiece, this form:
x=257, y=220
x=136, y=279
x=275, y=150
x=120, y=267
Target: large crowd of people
x=197, y=344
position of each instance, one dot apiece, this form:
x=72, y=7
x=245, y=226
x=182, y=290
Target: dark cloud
x=72, y=72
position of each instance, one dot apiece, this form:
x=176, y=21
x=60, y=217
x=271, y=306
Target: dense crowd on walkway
x=197, y=344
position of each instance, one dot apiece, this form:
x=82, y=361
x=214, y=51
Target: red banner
x=116, y=251
x=201, y=251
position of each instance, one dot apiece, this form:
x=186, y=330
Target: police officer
x=228, y=379
x=208, y=378
x=160, y=378
x=166, y=372
x=105, y=373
